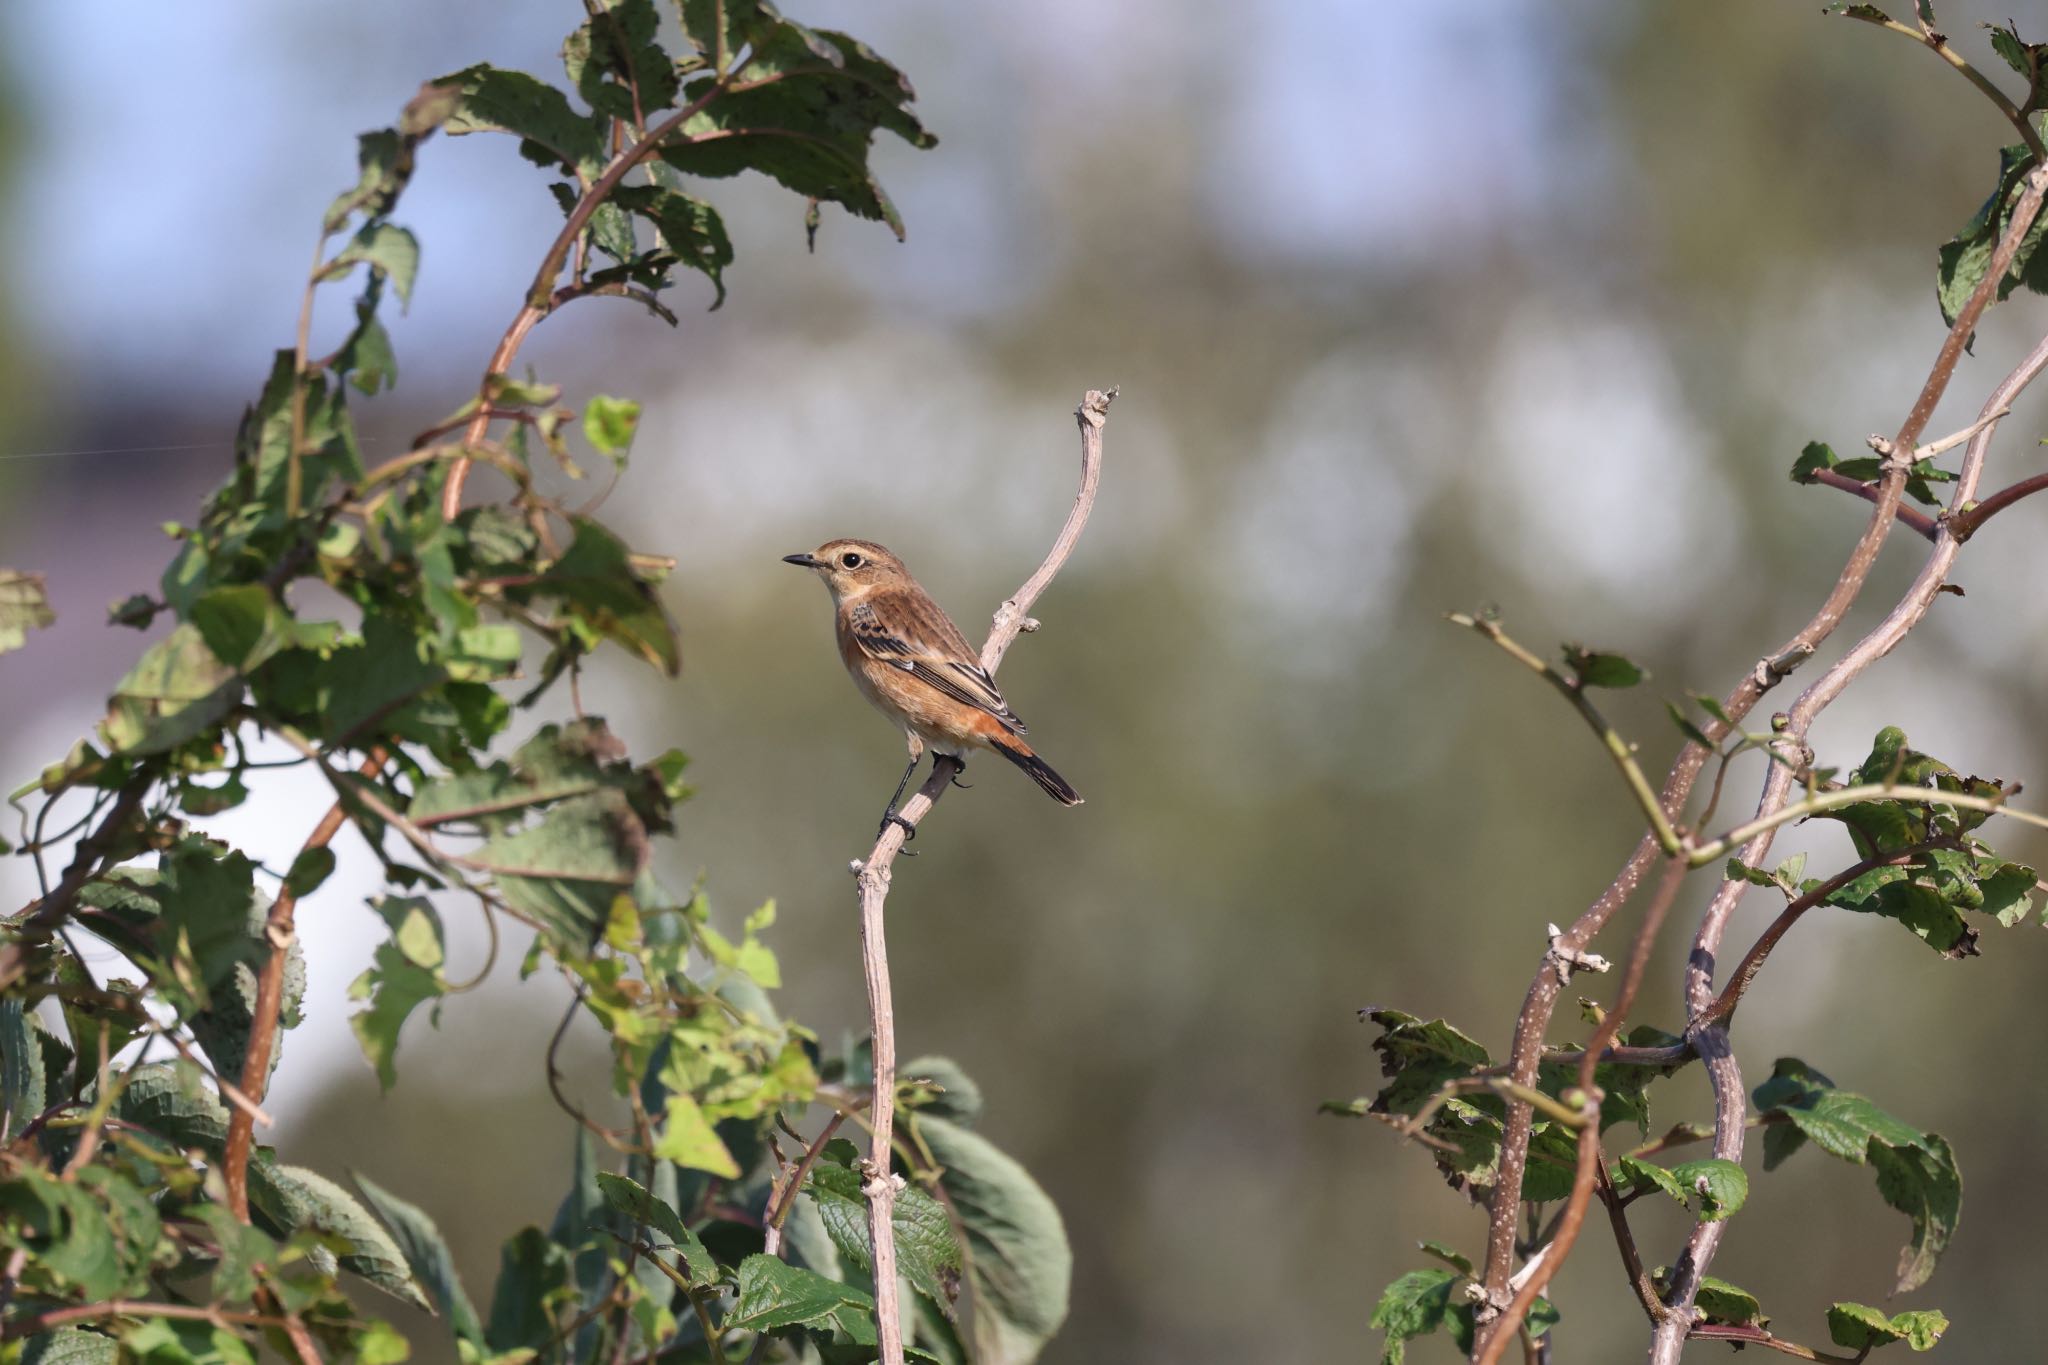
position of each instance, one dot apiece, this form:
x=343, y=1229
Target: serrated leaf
x=532, y=1272
x=1715, y=1188
x=427, y=1255
x=70, y=1346
x=688, y=1139
x=926, y=1253
x=1597, y=669
x=772, y=1295
x=1862, y=1328
x=1632, y=1174
x=1019, y=1261
x=405, y=974
x=391, y=252
x=1916, y=1172
x=292, y=1198
x=633, y=1199
x=24, y=606
x=812, y=128
x=595, y=581
x=532, y=110
x=1966, y=258
x=177, y=691
x=1415, y=1305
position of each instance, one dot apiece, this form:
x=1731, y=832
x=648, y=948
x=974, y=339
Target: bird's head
x=851, y=567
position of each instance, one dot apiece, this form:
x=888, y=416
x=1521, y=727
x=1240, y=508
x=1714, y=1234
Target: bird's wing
x=908, y=631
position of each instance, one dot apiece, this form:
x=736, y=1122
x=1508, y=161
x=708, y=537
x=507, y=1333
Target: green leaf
x=532, y=1274
x=1595, y=669
x=1817, y=456
x=1418, y=1058
x=177, y=691
x=1631, y=1174
x=812, y=129
x=406, y=973
x=688, y=1139
x=292, y=1199
x=206, y=892
x=175, y=1101
x=1020, y=1264
x=617, y=65
x=595, y=582
x=632, y=1198
x=560, y=761
x=1721, y=1301
x=23, y=1088
x=1863, y=1328
x=427, y=1254
x=65, y=1231
x=1715, y=1187
x=390, y=251
x=531, y=110
x=772, y=1296
x=308, y=870
x=608, y=424
x=1448, y=1256
x=1966, y=258
x=691, y=234
x=1415, y=1305
x=385, y=157
x=70, y=1346
x=24, y=606
x=1916, y=1172
x=362, y=684
x=926, y=1253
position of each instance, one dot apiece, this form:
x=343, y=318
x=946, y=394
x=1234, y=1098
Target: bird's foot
x=909, y=830
x=960, y=766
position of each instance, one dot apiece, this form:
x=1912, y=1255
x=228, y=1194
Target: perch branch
x=872, y=876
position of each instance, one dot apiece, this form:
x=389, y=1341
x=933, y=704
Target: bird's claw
x=909, y=830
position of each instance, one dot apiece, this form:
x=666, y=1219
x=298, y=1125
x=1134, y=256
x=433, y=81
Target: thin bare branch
x=872, y=875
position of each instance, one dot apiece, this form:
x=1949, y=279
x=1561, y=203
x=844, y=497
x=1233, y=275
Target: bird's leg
x=890, y=816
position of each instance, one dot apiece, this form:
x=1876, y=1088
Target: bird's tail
x=1020, y=753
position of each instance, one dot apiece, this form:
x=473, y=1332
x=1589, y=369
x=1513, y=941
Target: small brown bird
x=913, y=665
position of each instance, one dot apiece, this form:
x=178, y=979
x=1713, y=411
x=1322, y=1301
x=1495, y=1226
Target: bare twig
x=872, y=876
x=1631, y=1259
x=1915, y=520
x=1710, y=1038
x=1618, y=748
x=277, y=930
x=1739, y=1337
x=1541, y=1000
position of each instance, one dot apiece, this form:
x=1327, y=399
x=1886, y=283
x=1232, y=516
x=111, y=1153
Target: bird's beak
x=804, y=561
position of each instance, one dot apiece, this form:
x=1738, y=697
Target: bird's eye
x=850, y=560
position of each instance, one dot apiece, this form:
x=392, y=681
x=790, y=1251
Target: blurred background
x=1414, y=305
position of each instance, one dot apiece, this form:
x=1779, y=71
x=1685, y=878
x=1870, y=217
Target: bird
x=914, y=666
